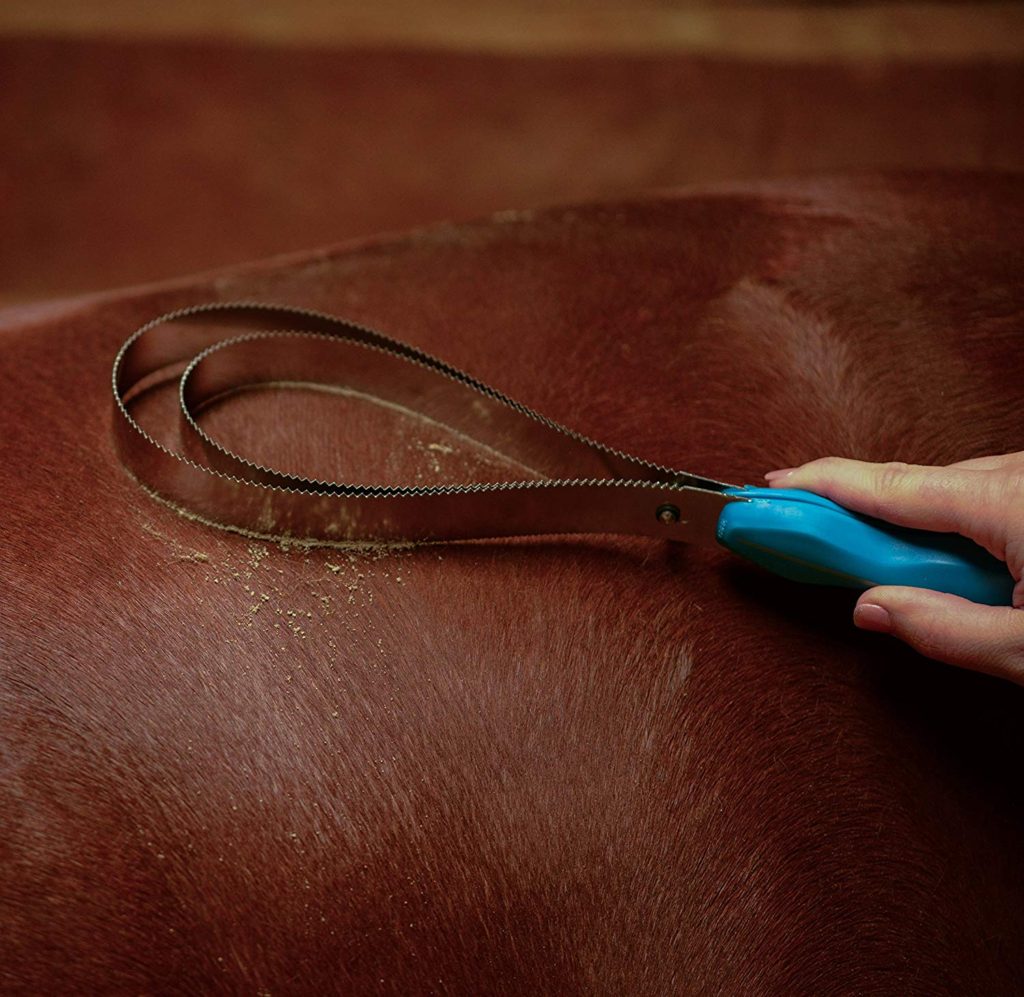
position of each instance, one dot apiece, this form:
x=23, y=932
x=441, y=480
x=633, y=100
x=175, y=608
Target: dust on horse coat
x=555, y=765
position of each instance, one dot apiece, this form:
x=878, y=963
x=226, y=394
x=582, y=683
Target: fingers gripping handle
x=808, y=538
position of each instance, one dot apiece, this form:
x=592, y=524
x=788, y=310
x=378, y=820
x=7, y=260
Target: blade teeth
x=298, y=485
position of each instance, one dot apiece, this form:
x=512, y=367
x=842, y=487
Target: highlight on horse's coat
x=552, y=765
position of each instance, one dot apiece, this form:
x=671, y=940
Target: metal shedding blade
x=583, y=486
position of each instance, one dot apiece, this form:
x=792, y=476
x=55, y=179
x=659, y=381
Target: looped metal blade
x=577, y=485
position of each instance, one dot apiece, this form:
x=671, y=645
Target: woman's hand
x=983, y=499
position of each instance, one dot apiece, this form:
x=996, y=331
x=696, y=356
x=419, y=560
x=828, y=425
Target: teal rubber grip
x=809, y=538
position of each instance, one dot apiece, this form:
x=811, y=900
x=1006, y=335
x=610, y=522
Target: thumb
x=947, y=628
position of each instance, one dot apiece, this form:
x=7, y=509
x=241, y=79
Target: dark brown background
x=143, y=143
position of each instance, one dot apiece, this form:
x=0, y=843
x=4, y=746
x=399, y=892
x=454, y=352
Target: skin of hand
x=981, y=498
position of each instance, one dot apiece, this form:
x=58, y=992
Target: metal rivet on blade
x=667, y=514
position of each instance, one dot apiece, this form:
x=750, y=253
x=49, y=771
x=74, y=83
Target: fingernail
x=781, y=473
x=869, y=616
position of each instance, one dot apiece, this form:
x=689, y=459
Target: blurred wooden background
x=806, y=30
x=139, y=142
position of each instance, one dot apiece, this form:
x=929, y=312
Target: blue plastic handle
x=808, y=538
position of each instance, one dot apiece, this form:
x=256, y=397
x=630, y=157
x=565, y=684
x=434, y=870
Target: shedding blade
x=581, y=486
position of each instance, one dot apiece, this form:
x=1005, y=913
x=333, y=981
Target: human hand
x=983, y=499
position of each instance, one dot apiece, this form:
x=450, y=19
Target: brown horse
x=555, y=765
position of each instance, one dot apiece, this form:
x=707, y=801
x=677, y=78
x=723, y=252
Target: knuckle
x=1015, y=643
x=889, y=481
x=890, y=476
x=1010, y=488
x=998, y=504
x=1010, y=657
